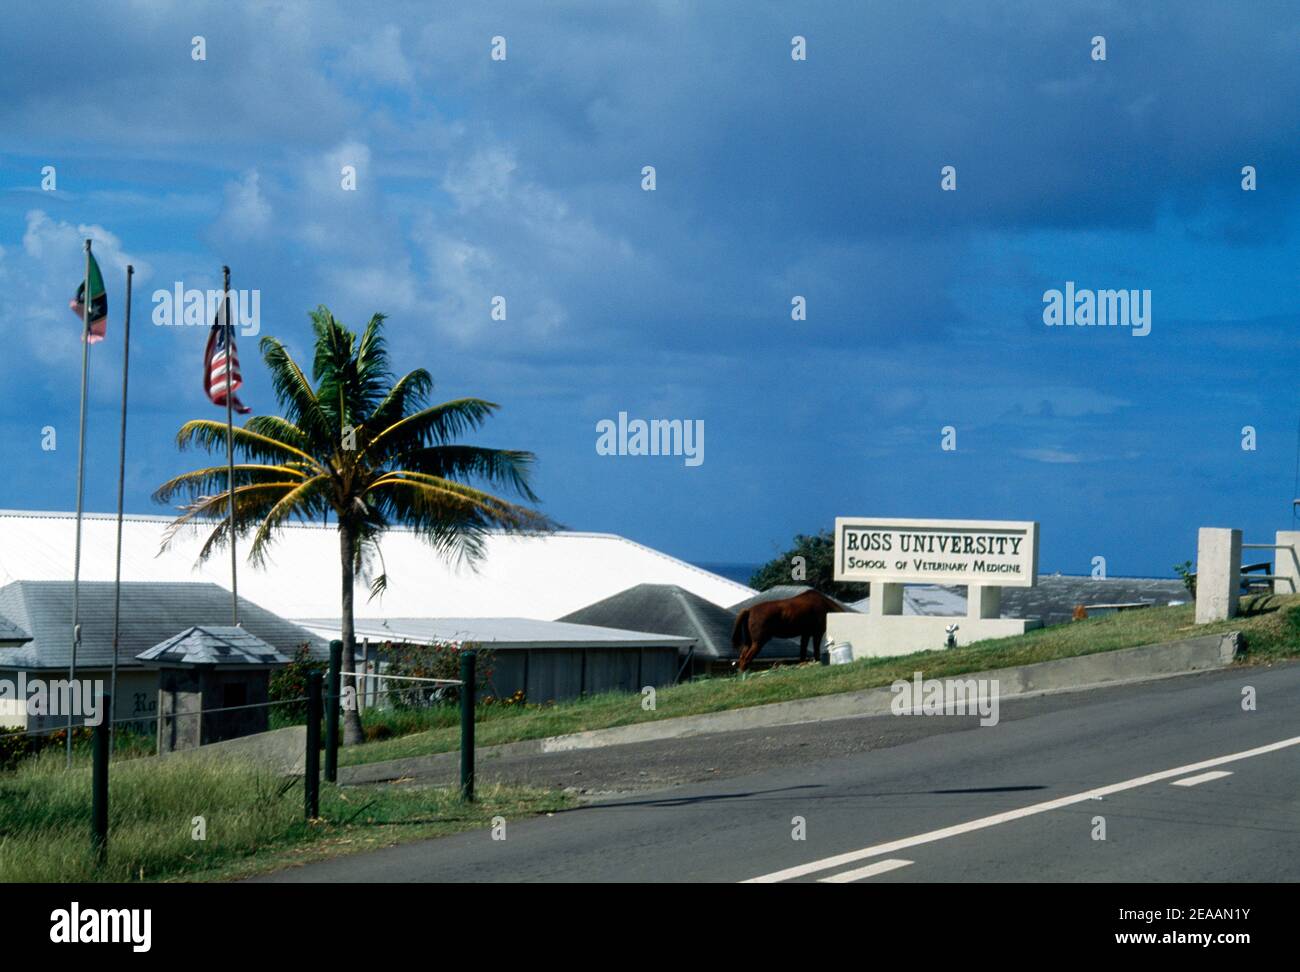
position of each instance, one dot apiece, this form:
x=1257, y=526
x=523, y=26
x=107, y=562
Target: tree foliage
x=816, y=569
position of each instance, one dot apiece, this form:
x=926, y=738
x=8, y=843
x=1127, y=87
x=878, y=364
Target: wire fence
x=342, y=697
x=323, y=706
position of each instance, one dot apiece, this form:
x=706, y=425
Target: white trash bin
x=841, y=653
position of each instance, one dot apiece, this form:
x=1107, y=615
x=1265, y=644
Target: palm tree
x=361, y=446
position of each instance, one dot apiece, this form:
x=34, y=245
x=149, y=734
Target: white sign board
x=1001, y=553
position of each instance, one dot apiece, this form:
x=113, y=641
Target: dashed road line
x=1203, y=778
x=876, y=850
x=871, y=870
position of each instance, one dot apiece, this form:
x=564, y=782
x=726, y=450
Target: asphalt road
x=919, y=798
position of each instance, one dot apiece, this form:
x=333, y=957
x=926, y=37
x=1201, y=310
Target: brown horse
x=803, y=615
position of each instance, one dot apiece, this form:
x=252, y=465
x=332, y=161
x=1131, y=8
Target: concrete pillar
x=1218, y=573
x=1286, y=563
x=886, y=598
x=983, y=601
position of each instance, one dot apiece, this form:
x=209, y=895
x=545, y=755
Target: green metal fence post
x=332, y=702
x=99, y=781
x=467, y=694
x=311, y=771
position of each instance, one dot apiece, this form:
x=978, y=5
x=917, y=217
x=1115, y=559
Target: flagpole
x=230, y=442
x=121, y=478
x=87, y=298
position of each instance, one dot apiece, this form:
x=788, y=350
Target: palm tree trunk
x=352, y=732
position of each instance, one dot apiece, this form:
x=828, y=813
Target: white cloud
x=246, y=213
x=37, y=283
x=1053, y=456
x=379, y=58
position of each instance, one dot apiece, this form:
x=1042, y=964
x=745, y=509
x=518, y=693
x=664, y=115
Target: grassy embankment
x=253, y=819
x=1271, y=626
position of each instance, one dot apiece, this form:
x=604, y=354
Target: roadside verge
x=1072, y=674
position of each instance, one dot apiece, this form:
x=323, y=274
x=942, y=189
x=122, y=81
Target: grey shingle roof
x=780, y=592
x=10, y=632
x=151, y=613
x=668, y=609
x=213, y=645
x=1054, y=598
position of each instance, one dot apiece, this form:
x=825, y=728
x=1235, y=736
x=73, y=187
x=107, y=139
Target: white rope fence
x=405, y=678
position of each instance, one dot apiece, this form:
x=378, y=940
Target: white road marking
x=1203, y=778
x=839, y=860
x=871, y=870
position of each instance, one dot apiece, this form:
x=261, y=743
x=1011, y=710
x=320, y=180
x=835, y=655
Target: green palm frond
x=406, y=469
x=210, y=435
x=252, y=503
x=497, y=467
x=213, y=478
x=297, y=502
x=295, y=394
x=436, y=425
x=409, y=393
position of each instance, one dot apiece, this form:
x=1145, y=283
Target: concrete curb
x=1075, y=674
x=281, y=751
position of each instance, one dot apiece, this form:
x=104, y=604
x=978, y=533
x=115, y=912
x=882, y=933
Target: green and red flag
x=98, y=303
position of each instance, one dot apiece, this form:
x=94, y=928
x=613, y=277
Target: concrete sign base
x=884, y=634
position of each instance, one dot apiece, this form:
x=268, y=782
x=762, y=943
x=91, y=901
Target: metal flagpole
x=86, y=298
x=121, y=477
x=230, y=441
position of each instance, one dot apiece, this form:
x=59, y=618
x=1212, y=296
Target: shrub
x=290, y=682
x=438, y=660
x=19, y=746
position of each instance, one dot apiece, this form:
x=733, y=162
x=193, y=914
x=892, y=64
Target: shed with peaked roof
x=213, y=683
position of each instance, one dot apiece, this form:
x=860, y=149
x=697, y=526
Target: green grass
x=254, y=820
x=1270, y=624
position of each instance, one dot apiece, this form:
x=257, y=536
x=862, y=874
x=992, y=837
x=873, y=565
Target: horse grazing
x=803, y=615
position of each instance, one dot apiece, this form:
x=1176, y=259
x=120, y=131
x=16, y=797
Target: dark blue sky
x=775, y=178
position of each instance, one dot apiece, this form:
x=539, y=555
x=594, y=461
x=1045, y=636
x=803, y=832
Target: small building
x=207, y=676
x=674, y=611
x=546, y=660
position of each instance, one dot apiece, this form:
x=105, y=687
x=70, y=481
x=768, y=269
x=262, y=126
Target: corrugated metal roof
x=538, y=577
x=213, y=645
x=667, y=608
x=151, y=613
x=496, y=632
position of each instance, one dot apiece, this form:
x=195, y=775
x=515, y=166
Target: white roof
x=531, y=577
x=499, y=632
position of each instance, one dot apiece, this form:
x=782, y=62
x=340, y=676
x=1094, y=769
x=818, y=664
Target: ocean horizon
x=740, y=573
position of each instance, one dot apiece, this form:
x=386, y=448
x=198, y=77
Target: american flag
x=214, y=367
